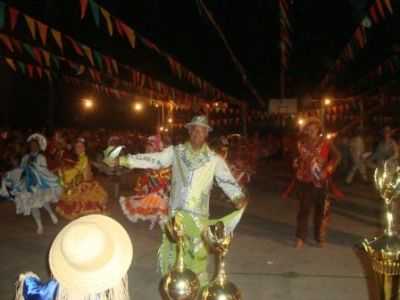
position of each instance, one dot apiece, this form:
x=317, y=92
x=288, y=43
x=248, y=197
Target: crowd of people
x=38, y=172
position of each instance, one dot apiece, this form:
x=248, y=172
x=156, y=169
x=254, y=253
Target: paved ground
x=262, y=260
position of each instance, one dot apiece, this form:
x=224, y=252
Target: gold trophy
x=220, y=287
x=180, y=283
x=384, y=251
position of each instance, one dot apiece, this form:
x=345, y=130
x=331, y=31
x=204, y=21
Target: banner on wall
x=283, y=106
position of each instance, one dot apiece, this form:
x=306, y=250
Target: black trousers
x=312, y=198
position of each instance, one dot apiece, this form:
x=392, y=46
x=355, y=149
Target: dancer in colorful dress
x=82, y=195
x=316, y=162
x=150, y=201
x=194, y=169
x=32, y=186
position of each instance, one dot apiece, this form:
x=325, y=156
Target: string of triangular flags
x=178, y=69
x=150, y=87
x=389, y=67
x=94, y=57
x=285, y=28
x=377, y=12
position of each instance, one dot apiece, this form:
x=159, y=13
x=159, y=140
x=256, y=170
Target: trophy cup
x=180, y=283
x=220, y=287
x=384, y=251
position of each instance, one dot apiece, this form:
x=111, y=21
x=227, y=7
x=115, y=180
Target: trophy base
x=181, y=285
x=227, y=291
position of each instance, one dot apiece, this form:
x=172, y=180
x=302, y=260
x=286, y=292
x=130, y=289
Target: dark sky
x=320, y=30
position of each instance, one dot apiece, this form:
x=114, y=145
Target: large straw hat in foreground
x=91, y=255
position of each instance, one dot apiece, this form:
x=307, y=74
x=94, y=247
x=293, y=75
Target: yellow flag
x=31, y=24
x=89, y=54
x=11, y=63
x=57, y=37
x=107, y=17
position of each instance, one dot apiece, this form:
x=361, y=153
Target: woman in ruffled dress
x=82, y=194
x=150, y=201
x=32, y=186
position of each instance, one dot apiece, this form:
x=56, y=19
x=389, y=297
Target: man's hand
x=110, y=162
x=241, y=203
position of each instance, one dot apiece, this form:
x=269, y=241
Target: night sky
x=320, y=30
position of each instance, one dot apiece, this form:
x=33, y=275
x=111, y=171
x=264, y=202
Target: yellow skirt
x=87, y=198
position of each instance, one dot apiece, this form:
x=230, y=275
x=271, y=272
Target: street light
x=170, y=120
x=300, y=122
x=87, y=103
x=137, y=106
x=327, y=101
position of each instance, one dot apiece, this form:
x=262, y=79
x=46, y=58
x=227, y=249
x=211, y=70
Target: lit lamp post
x=88, y=104
x=324, y=104
x=137, y=106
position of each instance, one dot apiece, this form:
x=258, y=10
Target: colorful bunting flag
x=75, y=45
x=13, y=17
x=57, y=37
x=17, y=45
x=32, y=26
x=88, y=53
x=7, y=42
x=43, y=29
x=30, y=70
x=107, y=17
x=11, y=63
x=389, y=6
x=380, y=8
x=22, y=67
x=95, y=12
x=46, y=56
x=130, y=34
x=84, y=5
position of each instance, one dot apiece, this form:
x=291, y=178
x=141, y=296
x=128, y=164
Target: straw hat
x=40, y=139
x=90, y=255
x=200, y=120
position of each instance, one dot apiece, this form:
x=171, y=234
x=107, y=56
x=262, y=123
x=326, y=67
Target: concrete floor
x=262, y=261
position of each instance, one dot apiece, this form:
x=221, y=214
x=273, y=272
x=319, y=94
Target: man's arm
x=228, y=184
x=156, y=160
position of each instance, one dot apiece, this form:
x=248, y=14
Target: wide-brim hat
x=199, y=121
x=311, y=121
x=90, y=255
x=387, y=129
x=40, y=139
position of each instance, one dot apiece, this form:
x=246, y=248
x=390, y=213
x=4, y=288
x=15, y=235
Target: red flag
x=119, y=27
x=13, y=17
x=84, y=5
x=30, y=70
x=129, y=33
x=39, y=70
x=380, y=8
x=372, y=12
x=75, y=45
x=37, y=55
